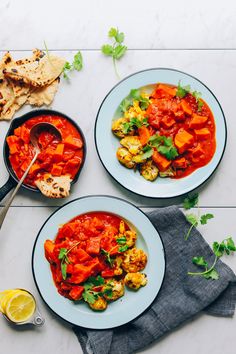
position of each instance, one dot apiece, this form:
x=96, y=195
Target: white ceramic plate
x=107, y=143
x=132, y=304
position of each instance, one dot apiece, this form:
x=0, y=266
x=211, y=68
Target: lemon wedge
x=20, y=306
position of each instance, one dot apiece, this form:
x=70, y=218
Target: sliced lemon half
x=20, y=306
x=4, y=296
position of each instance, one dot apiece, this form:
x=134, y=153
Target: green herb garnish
x=117, y=49
x=225, y=247
x=90, y=295
x=182, y=91
x=143, y=101
x=134, y=123
x=77, y=64
x=123, y=248
x=121, y=240
x=107, y=255
x=193, y=219
x=63, y=257
x=164, y=145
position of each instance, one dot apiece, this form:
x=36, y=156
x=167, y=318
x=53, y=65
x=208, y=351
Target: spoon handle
x=4, y=210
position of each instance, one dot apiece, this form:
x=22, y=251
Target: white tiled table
x=198, y=38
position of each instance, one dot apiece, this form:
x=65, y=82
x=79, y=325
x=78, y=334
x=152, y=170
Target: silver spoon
x=34, y=132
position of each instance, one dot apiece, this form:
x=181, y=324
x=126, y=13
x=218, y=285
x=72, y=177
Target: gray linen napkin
x=180, y=298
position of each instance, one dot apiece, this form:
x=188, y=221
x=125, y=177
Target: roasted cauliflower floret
x=99, y=305
x=167, y=173
x=134, y=110
x=134, y=260
x=117, y=127
x=131, y=238
x=149, y=170
x=128, y=237
x=135, y=280
x=113, y=289
x=117, y=265
x=125, y=157
x=132, y=143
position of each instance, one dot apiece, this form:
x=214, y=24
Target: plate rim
x=86, y=197
x=176, y=195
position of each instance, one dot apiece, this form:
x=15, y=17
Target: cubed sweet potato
x=58, y=153
x=170, y=91
x=167, y=122
x=183, y=140
x=56, y=170
x=35, y=168
x=202, y=134
x=197, y=121
x=161, y=162
x=186, y=108
x=73, y=142
x=144, y=135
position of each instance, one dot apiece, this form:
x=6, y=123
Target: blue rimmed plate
x=107, y=143
x=132, y=304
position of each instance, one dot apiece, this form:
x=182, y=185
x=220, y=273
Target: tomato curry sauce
x=56, y=157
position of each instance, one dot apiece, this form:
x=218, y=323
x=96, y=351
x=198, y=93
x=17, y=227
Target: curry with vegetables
x=93, y=257
x=56, y=157
x=168, y=133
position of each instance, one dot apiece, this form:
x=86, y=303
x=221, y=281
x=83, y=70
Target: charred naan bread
x=43, y=95
x=37, y=73
x=33, y=80
x=54, y=187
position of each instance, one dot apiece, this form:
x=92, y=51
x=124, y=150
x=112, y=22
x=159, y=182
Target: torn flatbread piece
x=43, y=95
x=54, y=187
x=37, y=73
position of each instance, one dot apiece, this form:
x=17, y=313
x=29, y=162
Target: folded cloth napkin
x=181, y=296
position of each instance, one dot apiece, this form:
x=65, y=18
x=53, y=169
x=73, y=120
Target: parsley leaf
x=77, y=64
x=182, y=91
x=190, y=201
x=117, y=49
x=205, y=217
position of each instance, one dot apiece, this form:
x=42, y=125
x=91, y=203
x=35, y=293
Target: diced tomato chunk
x=82, y=255
x=81, y=273
x=167, y=122
x=49, y=250
x=108, y=273
x=56, y=170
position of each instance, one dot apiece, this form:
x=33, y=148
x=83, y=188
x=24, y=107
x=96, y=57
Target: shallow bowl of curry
x=60, y=293
x=18, y=151
x=160, y=133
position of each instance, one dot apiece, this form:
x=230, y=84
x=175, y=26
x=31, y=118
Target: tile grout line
x=130, y=49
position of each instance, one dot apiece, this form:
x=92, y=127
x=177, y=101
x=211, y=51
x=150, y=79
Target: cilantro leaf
x=212, y=274
x=63, y=270
x=123, y=248
x=192, y=219
x=62, y=253
x=197, y=95
x=230, y=244
x=143, y=101
x=107, y=49
x=89, y=297
x=109, y=260
x=96, y=281
x=200, y=261
x=120, y=37
x=200, y=104
x=182, y=91
x=190, y=201
x=77, y=64
x=125, y=104
x=133, y=123
x=205, y=217
x=170, y=152
x=164, y=145
x=119, y=51
x=78, y=61
x=112, y=32
x=121, y=240
x=148, y=153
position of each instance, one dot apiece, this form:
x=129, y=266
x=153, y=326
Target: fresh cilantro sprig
x=182, y=91
x=117, y=49
x=77, y=64
x=107, y=255
x=90, y=294
x=63, y=257
x=193, y=219
x=164, y=145
x=223, y=248
x=134, y=123
x=134, y=95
